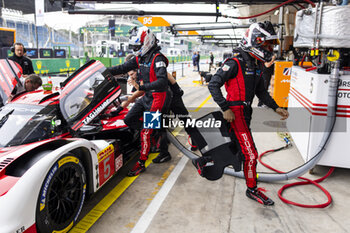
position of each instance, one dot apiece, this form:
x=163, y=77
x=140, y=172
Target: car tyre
x=61, y=196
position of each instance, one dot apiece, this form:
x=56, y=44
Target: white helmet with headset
x=141, y=40
x=259, y=39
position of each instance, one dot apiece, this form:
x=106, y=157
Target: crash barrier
x=61, y=65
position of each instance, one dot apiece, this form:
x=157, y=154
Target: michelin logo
x=151, y=120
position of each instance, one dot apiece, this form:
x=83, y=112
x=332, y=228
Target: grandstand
x=47, y=37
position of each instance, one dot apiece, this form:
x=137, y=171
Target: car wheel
x=61, y=196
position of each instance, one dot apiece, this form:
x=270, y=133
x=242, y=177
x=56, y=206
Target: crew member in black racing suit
x=152, y=67
x=177, y=106
x=238, y=74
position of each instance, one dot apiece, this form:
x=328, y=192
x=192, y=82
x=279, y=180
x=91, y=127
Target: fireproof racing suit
x=153, y=73
x=242, y=83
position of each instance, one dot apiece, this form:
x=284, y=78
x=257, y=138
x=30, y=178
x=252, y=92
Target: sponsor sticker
x=105, y=153
x=160, y=64
x=96, y=112
x=118, y=162
x=67, y=160
x=287, y=71
x=46, y=186
x=225, y=67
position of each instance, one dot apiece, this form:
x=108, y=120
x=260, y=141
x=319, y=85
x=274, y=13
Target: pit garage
x=67, y=149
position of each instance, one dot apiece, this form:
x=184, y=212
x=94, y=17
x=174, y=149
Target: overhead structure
x=200, y=23
x=202, y=35
x=28, y=6
x=220, y=39
x=206, y=28
x=140, y=12
x=248, y=2
x=223, y=44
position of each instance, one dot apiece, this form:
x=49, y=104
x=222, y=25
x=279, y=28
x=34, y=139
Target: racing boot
x=202, y=162
x=257, y=195
x=154, y=149
x=138, y=168
x=194, y=148
x=162, y=157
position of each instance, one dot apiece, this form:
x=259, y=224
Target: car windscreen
x=22, y=124
x=82, y=95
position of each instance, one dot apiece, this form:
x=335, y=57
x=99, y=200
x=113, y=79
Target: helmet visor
x=135, y=47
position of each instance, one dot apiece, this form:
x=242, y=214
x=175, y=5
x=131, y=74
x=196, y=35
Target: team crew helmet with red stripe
x=258, y=41
x=141, y=40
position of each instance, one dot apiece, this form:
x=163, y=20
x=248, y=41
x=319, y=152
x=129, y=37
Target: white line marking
x=146, y=218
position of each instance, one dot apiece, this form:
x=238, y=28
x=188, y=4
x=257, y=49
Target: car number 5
x=106, y=168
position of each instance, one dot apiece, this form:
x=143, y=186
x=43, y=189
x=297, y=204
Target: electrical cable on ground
x=305, y=182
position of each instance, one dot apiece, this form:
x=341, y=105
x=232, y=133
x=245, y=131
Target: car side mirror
x=90, y=129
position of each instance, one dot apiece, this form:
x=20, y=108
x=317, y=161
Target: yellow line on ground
x=202, y=104
x=177, y=80
x=89, y=220
x=176, y=131
x=161, y=182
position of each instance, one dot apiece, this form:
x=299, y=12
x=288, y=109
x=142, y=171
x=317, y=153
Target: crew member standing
x=18, y=56
x=211, y=64
x=152, y=66
x=238, y=74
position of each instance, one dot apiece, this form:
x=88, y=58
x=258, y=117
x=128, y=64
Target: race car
x=59, y=147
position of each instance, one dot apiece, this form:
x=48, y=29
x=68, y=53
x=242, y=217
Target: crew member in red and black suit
x=152, y=65
x=242, y=83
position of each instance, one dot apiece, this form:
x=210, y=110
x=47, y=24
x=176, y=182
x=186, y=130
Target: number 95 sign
x=153, y=21
x=147, y=21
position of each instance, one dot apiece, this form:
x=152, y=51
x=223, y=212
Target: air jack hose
x=305, y=182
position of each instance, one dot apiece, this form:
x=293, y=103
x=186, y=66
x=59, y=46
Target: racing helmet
x=259, y=39
x=141, y=40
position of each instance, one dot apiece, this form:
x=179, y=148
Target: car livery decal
x=95, y=112
x=81, y=203
x=67, y=160
x=53, y=170
x=47, y=182
x=111, y=96
x=7, y=80
x=105, y=153
x=106, y=164
x=118, y=162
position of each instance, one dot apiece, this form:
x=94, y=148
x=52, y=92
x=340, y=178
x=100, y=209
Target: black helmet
x=258, y=40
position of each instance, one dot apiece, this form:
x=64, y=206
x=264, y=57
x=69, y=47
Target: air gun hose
x=305, y=182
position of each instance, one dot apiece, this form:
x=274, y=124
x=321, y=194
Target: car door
x=86, y=93
x=10, y=72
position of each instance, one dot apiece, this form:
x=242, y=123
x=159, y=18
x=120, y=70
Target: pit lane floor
x=172, y=197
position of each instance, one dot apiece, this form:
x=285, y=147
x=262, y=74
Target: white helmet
x=259, y=39
x=141, y=40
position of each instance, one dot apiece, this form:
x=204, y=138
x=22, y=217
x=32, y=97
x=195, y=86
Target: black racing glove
x=176, y=89
x=116, y=112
